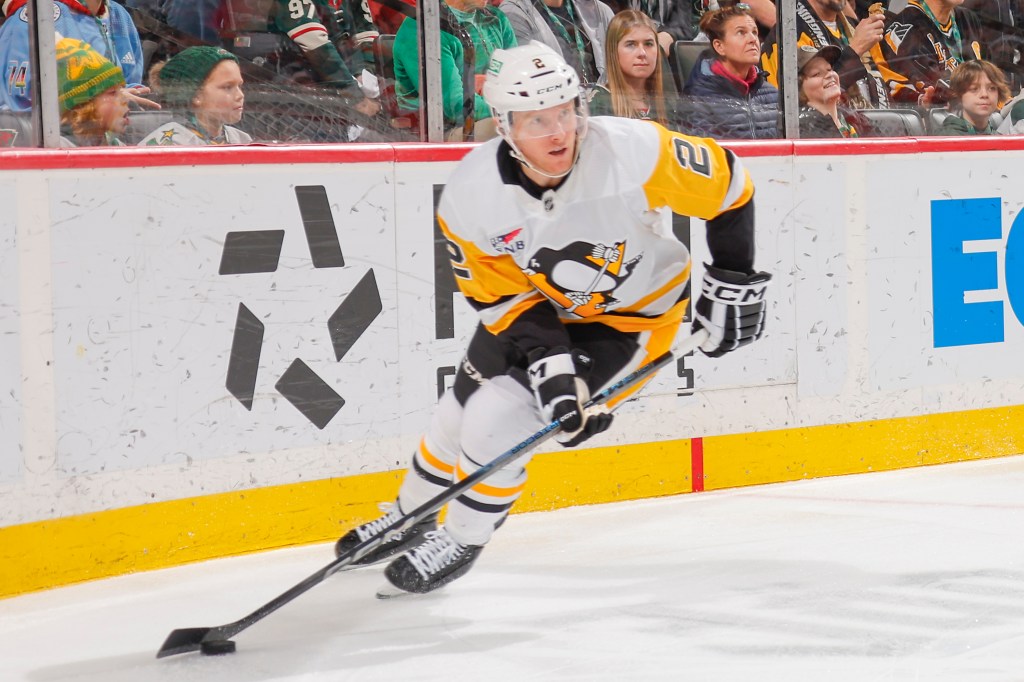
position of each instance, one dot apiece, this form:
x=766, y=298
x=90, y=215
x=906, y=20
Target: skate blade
x=389, y=591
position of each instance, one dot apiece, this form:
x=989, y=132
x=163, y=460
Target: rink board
x=241, y=350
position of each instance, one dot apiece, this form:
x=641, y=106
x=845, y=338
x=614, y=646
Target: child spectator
x=976, y=90
x=821, y=114
x=824, y=22
x=203, y=85
x=728, y=95
x=634, y=71
x=90, y=91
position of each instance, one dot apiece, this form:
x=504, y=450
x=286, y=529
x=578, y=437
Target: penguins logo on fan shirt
x=895, y=35
x=582, y=276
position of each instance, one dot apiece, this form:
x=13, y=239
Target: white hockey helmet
x=529, y=78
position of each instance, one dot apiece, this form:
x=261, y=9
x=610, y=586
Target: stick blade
x=183, y=641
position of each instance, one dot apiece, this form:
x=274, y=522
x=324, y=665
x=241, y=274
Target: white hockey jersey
x=599, y=247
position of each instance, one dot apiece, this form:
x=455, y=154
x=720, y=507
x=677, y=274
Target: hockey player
x=560, y=239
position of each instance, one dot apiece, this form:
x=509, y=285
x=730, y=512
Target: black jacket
x=714, y=106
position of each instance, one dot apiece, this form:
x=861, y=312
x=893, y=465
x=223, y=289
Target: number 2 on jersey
x=694, y=157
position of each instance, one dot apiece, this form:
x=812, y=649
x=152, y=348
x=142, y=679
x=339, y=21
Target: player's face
x=547, y=139
x=740, y=44
x=638, y=53
x=821, y=83
x=980, y=101
x=112, y=110
x=220, y=100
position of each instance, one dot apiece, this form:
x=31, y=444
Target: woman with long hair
x=728, y=94
x=634, y=71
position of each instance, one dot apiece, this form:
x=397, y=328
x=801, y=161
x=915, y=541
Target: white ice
x=908, y=575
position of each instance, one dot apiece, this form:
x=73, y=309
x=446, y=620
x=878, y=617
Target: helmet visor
x=563, y=120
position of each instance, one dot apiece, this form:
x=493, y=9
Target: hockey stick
x=216, y=639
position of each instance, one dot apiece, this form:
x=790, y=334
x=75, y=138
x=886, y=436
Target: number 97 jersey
x=599, y=247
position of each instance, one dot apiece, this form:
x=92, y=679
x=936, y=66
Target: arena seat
x=142, y=123
x=685, y=55
x=894, y=122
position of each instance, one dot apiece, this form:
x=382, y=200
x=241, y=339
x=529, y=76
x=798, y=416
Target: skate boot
x=434, y=563
x=390, y=547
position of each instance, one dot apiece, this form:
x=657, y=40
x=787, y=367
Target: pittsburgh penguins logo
x=583, y=276
x=896, y=34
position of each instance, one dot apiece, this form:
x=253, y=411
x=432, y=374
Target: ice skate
x=432, y=564
x=390, y=547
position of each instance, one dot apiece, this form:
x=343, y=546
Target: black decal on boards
x=310, y=394
x=318, y=222
x=355, y=314
x=250, y=252
x=245, y=356
x=259, y=251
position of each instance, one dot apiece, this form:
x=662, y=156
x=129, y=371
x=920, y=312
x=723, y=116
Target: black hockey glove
x=561, y=391
x=732, y=308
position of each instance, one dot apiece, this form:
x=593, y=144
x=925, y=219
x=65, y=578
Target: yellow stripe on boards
x=573, y=477
x=46, y=554
x=57, y=552
x=794, y=454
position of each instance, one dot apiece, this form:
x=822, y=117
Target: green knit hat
x=184, y=73
x=83, y=73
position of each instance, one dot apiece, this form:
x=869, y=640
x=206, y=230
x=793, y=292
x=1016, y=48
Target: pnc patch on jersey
x=509, y=243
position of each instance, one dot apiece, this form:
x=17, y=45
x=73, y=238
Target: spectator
x=302, y=23
x=634, y=71
x=680, y=19
x=821, y=114
x=821, y=23
x=922, y=46
x=386, y=19
x=728, y=95
x=489, y=30
x=90, y=93
x=196, y=18
x=1012, y=115
x=1001, y=34
x=574, y=28
x=106, y=27
x=202, y=85
x=976, y=90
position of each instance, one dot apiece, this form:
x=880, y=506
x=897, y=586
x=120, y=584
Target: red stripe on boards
x=697, y=464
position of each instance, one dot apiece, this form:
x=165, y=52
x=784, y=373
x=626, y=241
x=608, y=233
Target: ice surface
x=907, y=575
